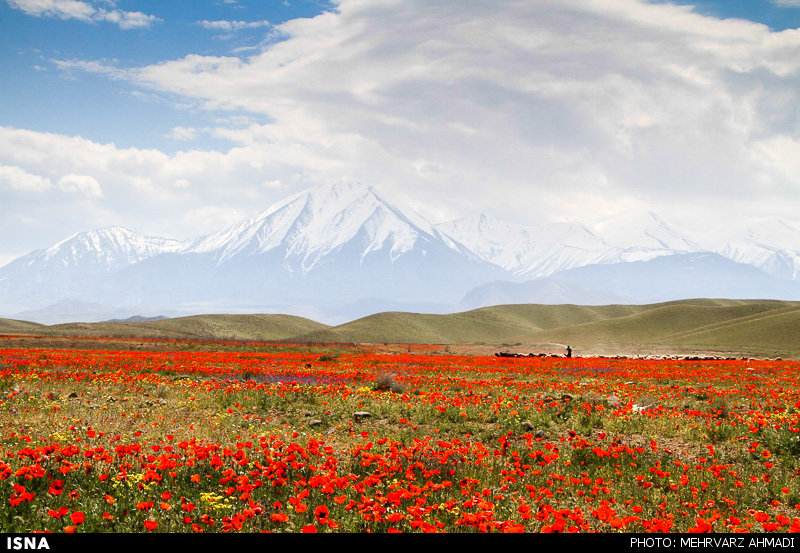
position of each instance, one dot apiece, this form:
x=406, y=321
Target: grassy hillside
x=421, y=328
x=614, y=324
x=776, y=330
x=767, y=328
x=11, y=326
x=759, y=327
x=219, y=327
x=652, y=325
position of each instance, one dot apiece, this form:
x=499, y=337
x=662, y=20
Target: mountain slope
x=541, y=291
x=315, y=223
x=528, y=251
x=771, y=245
x=678, y=276
x=77, y=264
x=642, y=236
x=663, y=278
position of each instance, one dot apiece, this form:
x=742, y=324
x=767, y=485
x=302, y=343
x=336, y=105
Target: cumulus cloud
x=53, y=185
x=627, y=98
x=534, y=110
x=84, y=11
x=17, y=178
x=233, y=26
x=83, y=184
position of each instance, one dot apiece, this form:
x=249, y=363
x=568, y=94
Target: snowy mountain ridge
x=348, y=244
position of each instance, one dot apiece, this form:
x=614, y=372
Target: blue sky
x=39, y=97
x=776, y=15
x=176, y=118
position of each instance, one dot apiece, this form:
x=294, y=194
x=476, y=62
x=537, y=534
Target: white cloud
x=660, y=102
x=82, y=184
x=142, y=189
x=183, y=133
x=534, y=110
x=84, y=11
x=233, y=26
x=787, y=3
x=16, y=178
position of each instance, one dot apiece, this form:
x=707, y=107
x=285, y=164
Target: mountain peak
x=107, y=248
x=643, y=231
x=315, y=222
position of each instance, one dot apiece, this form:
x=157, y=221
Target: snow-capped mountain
x=528, y=251
x=317, y=222
x=103, y=250
x=662, y=278
x=326, y=246
x=75, y=264
x=536, y=251
x=642, y=236
x=348, y=248
x=771, y=245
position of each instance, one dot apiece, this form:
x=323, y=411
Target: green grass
x=753, y=327
x=12, y=326
x=704, y=324
x=219, y=327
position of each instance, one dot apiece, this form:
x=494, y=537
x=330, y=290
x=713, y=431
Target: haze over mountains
x=334, y=253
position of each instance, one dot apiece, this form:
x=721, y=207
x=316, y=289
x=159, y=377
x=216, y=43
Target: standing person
x=569, y=351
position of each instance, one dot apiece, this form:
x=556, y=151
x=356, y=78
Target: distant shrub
x=386, y=381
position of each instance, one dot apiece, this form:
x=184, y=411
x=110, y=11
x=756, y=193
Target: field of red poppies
x=293, y=439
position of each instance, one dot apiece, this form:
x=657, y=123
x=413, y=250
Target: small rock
x=315, y=422
x=539, y=434
x=73, y=395
x=362, y=415
x=527, y=425
x=612, y=400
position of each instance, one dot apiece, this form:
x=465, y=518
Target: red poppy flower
x=150, y=524
x=279, y=517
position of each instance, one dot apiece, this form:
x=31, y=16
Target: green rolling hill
x=199, y=327
x=757, y=327
x=12, y=326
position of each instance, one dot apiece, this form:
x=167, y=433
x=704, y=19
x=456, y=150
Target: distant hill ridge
x=768, y=327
